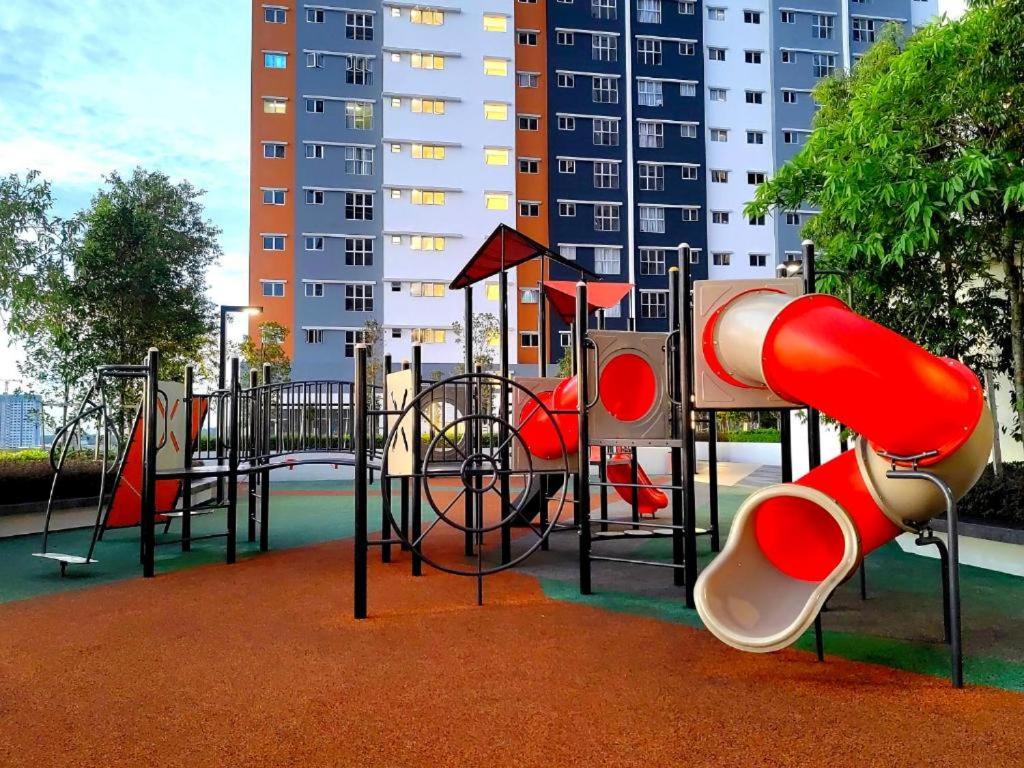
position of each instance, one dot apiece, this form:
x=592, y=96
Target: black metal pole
x=602, y=455
x=503, y=458
x=385, y=507
x=583, y=475
x=689, y=457
x=678, y=411
x=786, y=440
x=253, y=431
x=467, y=362
x=234, y=414
x=148, y=533
x=359, y=447
x=542, y=324
x=716, y=542
x=188, y=447
x=404, y=486
x=268, y=449
x=417, y=460
x=813, y=417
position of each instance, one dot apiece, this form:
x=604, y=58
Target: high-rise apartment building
x=390, y=137
x=20, y=421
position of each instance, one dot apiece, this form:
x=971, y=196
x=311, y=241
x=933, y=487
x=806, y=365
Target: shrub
x=761, y=435
x=997, y=500
x=29, y=480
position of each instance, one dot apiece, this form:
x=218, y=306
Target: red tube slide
x=649, y=500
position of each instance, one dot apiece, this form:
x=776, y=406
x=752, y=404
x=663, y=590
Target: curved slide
x=649, y=500
x=792, y=544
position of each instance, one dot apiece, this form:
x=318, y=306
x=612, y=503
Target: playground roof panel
x=561, y=295
x=505, y=248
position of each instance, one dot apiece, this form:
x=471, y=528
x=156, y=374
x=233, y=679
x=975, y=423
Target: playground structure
x=527, y=441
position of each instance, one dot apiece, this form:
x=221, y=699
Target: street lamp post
x=225, y=310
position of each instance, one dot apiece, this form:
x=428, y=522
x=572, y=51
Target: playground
x=503, y=581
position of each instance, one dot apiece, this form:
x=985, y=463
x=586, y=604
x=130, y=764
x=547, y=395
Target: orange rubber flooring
x=261, y=664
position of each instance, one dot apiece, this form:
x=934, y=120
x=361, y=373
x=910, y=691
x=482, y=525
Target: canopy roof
x=506, y=248
x=561, y=295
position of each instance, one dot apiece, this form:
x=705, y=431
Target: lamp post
x=225, y=310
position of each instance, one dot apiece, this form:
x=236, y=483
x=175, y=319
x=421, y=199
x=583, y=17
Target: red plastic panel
x=628, y=387
x=539, y=431
x=649, y=500
x=707, y=341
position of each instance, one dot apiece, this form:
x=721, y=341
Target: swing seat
x=65, y=560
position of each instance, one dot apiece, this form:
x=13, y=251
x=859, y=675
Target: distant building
x=19, y=421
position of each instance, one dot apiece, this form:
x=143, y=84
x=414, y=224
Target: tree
x=486, y=335
x=267, y=347
x=372, y=336
x=916, y=163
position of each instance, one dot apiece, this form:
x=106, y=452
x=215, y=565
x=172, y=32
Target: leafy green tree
x=916, y=163
x=267, y=347
x=486, y=335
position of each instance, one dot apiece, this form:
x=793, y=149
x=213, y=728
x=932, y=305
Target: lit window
x=529, y=295
x=427, y=151
x=427, y=290
x=492, y=291
x=427, y=106
x=427, y=197
x=496, y=156
x=426, y=61
x=428, y=335
x=421, y=16
x=359, y=115
x=496, y=201
x=427, y=243
x=495, y=111
x=495, y=67
x=272, y=106
x=494, y=22
x=275, y=60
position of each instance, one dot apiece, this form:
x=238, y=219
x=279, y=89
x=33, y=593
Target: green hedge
x=763, y=435
x=998, y=501
x=28, y=480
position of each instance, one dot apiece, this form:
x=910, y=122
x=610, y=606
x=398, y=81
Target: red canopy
x=506, y=248
x=561, y=295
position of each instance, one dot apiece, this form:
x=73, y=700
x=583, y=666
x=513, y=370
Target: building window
x=273, y=150
x=567, y=252
x=351, y=339
x=396, y=333
x=315, y=106
x=719, y=217
x=496, y=67
x=567, y=210
x=793, y=218
x=273, y=197
x=273, y=288
x=495, y=111
x=358, y=252
x=565, y=38
x=789, y=97
x=691, y=214
x=716, y=54
x=426, y=290
x=787, y=57
x=428, y=17
x=314, y=60
x=359, y=206
x=496, y=201
x=652, y=261
x=605, y=90
x=358, y=297
x=272, y=106
x=788, y=17
x=688, y=130
x=529, y=165
x=649, y=51
x=754, y=97
x=652, y=178
x=652, y=134
x=654, y=305
x=649, y=93
x=604, y=9
x=525, y=37
x=314, y=336
x=427, y=151
x=427, y=106
x=314, y=290
x=359, y=161
x=606, y=175
x=751, y=17
x=648, y=11
x=532, y=80
x=687, y=7
x=564, y=80
x=565, y=338
x=314, y=243
x=606, y=132
x=529, y=123
x=359, y=115
x=314, y=197
x=824, y=64
x=315, y=151
x=756, y=221
x=273, y=242
x=359, y=26
x=604, y=48
x=606, y=261
x=428, y=335
x=758, y=259
x=606, y=218
x=275, y=15
x=358, y=70
x=529, y=295
x=688, y=173
x=652, y=218
x=566, y=166
x=314, y=16
x=863, y=30
x=823, y=26
x=566, y=123
x=721, y=259
x=492, y=292
x=495, y=22
x=427, y=197
x=529, y=340
x=275, y=60
x=496, y=156
x=427, y=243
x=752, y=57
x=719, y=134
x=719, y=176
x=424, y=60
x=688, y=90
x=790, y=137
x=755, y=177
x=718, y=94
x=755, y=137
x=687, y=48
x=529, y=209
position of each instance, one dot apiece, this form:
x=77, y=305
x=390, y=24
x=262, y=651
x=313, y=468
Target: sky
x=91, y=86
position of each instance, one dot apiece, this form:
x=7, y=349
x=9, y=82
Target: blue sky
x=88, y=86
